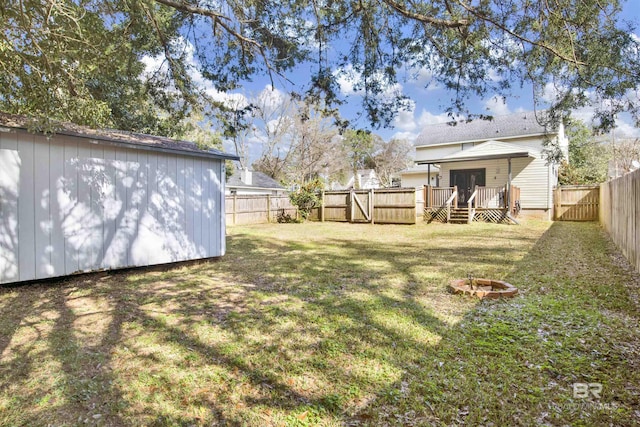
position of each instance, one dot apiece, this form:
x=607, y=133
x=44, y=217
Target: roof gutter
x=475, y=158
x=481, y=140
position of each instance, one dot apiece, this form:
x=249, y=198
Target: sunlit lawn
x=334, y=324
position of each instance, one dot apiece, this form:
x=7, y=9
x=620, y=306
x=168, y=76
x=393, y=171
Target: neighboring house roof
x=118, y=137
x=419, y=169
x=258, y=180
x=500, y=127
x=486, y=151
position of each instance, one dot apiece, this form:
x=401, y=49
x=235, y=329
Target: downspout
x=428, y=202
x=509, y=193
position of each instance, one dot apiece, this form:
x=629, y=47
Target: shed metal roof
x=120, y=138
x=500, y=127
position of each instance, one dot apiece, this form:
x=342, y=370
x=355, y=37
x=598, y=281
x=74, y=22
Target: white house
x=366, y=180
x=416, y=176
x=491, y=154
x=247, y=182
x=83, y=200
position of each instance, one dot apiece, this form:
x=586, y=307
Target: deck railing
x=453, y=199
x=490, y=197
x=437, y=196
x=472, y=204
x=482, y=197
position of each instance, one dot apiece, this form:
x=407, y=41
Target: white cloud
x=550, y=93
x=409, y=136
x=497, y=106
x=270, y=98
x=158, y=64
x=427, y=118
x=347, y=78
x=405, y=119
x=626, y=128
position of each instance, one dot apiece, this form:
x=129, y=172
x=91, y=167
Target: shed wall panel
x=67, y=205
x=41, y=212
x=67, y=198
x=26, y=204
x=9, y=210
x=56, y=177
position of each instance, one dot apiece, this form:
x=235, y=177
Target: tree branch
x=223, y=21
x=520, y=37
x=446, y=23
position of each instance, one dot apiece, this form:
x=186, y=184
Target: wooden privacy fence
x=382, y=205
x=620, y=214
x=250, y=209
x=576, y=202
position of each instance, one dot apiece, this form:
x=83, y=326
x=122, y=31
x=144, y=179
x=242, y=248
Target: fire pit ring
x=483, y=288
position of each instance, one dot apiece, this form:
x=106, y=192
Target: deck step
x=459, y=216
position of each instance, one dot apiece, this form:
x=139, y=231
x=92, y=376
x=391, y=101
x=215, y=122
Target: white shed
x=85, y=200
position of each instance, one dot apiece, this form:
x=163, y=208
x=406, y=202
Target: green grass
x=334, y=324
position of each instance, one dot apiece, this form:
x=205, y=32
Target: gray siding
x=68, y=205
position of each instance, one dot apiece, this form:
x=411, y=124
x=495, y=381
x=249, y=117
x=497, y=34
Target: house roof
x=120, y=138
x=502, y=127
x=486, y=151
x=258, y=180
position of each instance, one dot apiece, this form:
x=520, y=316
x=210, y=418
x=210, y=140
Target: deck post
x=508, y=198
x=455, y=199
x=429, y=195
x=428, y=182
x=475, y=201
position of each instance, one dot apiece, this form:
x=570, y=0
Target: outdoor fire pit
x=483, y=288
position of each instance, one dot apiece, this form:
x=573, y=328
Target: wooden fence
x=248, y=209
x=620, y=214
x=576, y=202
x=383, y=205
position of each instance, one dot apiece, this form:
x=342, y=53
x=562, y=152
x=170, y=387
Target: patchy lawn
x=334, y=324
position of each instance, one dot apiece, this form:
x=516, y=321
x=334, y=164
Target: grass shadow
x=300, y=324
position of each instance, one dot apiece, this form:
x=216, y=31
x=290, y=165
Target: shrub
x=284, y=217
x=307, y=197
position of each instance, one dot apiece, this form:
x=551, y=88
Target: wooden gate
x=361, y=206
x=576, y=202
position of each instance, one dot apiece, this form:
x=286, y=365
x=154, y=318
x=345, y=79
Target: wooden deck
x=460, y=215
x=486, y=204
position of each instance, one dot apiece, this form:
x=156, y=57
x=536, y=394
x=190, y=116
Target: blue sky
x=429, y=102
x=427, y=105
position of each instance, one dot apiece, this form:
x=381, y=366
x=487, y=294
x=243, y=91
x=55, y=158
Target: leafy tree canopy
x=83, y=60
x=588, y=156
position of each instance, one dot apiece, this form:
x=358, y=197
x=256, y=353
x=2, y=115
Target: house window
x=466, y=145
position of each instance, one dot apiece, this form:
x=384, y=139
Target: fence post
x=234, y=209
x=351, y=209
x=322, y=206
x=268, y=208
x=371, y=193
x=558, y=203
